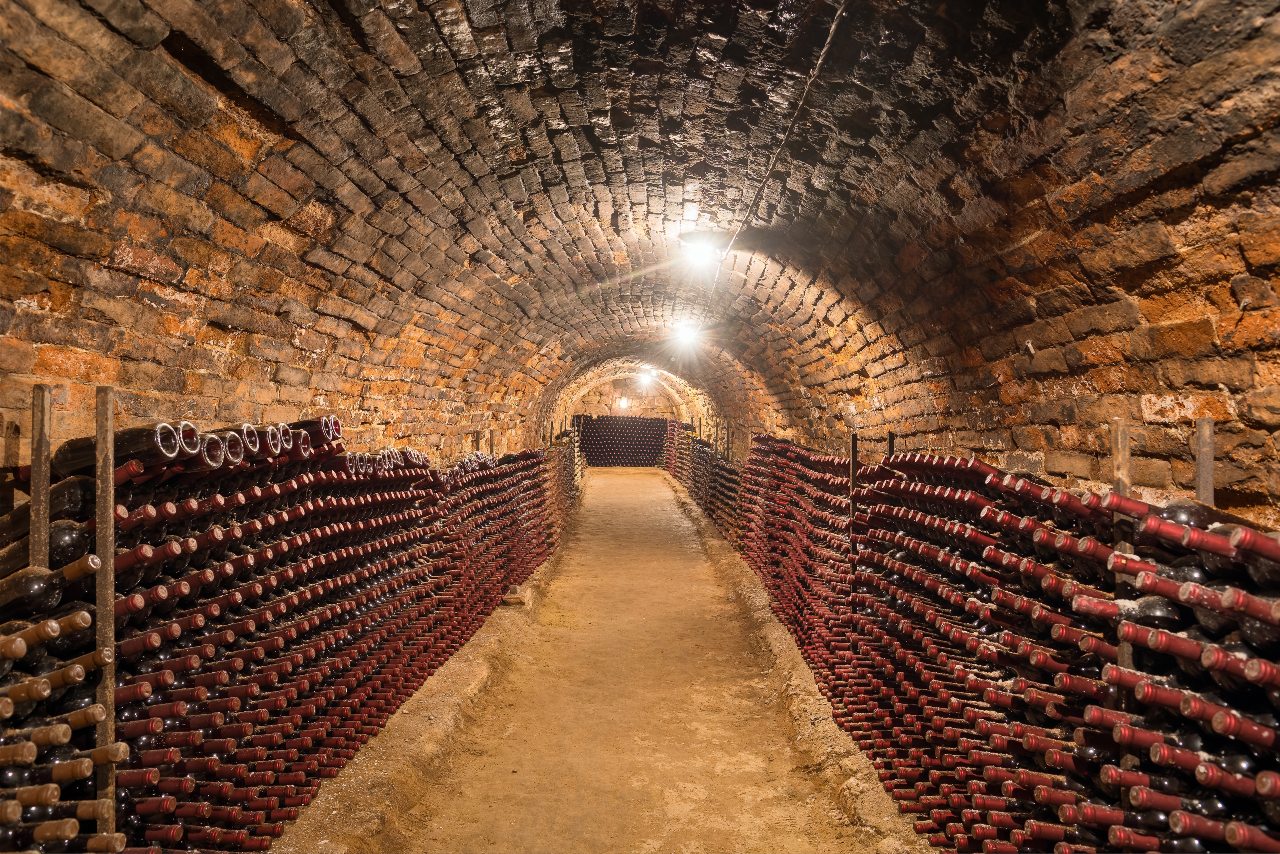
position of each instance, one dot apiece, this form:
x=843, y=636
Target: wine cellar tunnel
x=954, y=326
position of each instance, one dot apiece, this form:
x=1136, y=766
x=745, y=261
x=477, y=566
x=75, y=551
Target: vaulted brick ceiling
x=989, y=218
x=568, y=148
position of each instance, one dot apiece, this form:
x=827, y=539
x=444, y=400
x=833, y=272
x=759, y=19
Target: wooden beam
x=1204, y=450
x=1121, y=484
x=853, y=481
x=41, y=422
x=1120, y=479
x=105, y=588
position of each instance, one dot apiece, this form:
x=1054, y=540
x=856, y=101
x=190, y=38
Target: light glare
x=623, y=403
x=701, y=254
x=687, y=335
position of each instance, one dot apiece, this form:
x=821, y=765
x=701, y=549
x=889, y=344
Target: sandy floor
x=633, y=713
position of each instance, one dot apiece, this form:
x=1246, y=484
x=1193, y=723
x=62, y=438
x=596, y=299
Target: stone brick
x=1254, y=330
x=1186, y=407
x=348, y=311
x=132, y=19
x=1144, y=471
x=202, y=149
x=164, y=81
x=1235, y=373
x=1251, y=292
x=74, y=364
x=292, y=376
x=73, y=115
x=70, y=238
x=1147, y=244
x=1260, y=237
x=1048, y=362
x=144, y=262
x=1070, y=464
x=226, y=201
x=1261, y=407
x=1102, y=319
x=1183, y=339
x=16, y=356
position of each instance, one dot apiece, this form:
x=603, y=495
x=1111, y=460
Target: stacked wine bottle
x=713, y=484
x=49, y=753
x=278, y=598
x=677, y=449
x=1021, y=681
x=621, y=440
x=565, y=460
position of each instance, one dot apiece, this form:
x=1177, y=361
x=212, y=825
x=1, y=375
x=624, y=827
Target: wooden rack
x=105, y=578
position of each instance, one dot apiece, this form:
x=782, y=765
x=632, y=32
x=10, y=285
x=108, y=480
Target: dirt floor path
x=636, y=715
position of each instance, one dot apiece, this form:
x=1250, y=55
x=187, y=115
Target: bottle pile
x=713, y=484
x=565, y=461
x=677, y=449
x=1021, y=684
x=278, y=598
x=50, y=756
x=49, y=753
x=621, y=440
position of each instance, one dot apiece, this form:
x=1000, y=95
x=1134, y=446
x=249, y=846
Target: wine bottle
x=68, y=541
x=150, y=445
x=37, y=590
x=71, y=498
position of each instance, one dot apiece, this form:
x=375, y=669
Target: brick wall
x=604, y=399
x=995, y=226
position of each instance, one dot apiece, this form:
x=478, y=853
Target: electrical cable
x=791, y=126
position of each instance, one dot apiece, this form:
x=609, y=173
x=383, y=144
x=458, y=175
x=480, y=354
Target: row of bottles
x=565, y=462
x=711, y=480
x=677, y=451
x=50, y=756
x=621, y=440
x=1031, y=669
x=271, y=615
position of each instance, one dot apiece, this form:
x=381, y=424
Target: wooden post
x=1204, y=460
x=41, y=421
x=853, y=483
x=893, y=440
x=105, y=588
x=491, y=441
x=10, y=450
x=1121, y=483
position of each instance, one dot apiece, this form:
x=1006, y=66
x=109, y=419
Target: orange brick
x=70, y=363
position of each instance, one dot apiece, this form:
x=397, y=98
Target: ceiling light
x=687, y=335
x=623, y=403
x=701, y=254
x=644, y=380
